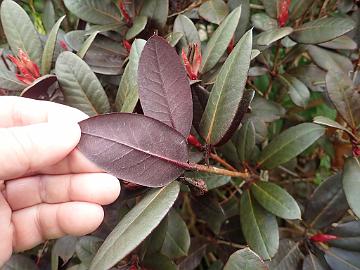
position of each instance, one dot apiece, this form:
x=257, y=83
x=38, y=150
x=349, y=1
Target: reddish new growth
x=63, y=45
x=356, y=151
x=192, y=140
x=283, y=12
x=193, y=63
x=127, y=45
x=27, y=71
x=323, y=238
x=231, y=45
x=124, y=13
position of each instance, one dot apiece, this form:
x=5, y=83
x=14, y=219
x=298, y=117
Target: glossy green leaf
x=86, y=248
x=94, y=11
x=156, y=11
x=219, y=41
x=344, y=96
x=327, y=204
x=138, y=26
x=259, y=227
x=298, y=91
x=80, y=86
x=245, y=259
x=214, y=11
x=244, y=21
x=322, y=30
x=154, y=242
x=131, y=230
x=351, y=183
x=289, y=144
x=177, y=239
x=86, y=45
x=276, y=200
x=246, y=141
x=184, y=25
x=20, y=31
x=340, y=43
x=174, y=37
x=348, y=236
x=263, y=22
x=220, y=115
x=49, y=48
x=272, y=35
x=128, y=94
x=288, y=256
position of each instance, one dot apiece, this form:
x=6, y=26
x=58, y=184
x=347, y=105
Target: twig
x=215, y=170
x=255, y=6
x=222, y=162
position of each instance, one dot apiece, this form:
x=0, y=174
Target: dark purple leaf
x=39, y=88
x=135, y=148
x=164, y=88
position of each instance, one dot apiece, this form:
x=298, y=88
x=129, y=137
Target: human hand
x=48, y=189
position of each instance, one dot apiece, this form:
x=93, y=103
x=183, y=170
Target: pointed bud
x=124, y=12
x=197, y=60
x=63, y=45
x=283, y=12
x=192, y=140
x=127, y=45
x=323, y=238
x=231, y=45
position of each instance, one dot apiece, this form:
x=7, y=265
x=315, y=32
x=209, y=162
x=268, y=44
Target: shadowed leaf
x=214, y=11
x=351, y=183
x=245, y=259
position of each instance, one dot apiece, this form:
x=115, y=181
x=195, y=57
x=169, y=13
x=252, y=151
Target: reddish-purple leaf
x=134, y=147
x=164, y=88
x=39, y=88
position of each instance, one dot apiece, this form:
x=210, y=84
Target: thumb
x=25, y=150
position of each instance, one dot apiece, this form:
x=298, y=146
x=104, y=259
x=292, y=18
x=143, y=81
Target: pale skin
x=48, y=189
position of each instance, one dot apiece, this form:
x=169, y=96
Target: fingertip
x=111, y=187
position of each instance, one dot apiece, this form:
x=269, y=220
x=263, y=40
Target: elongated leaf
x=159, y=261
x=311, y=75
x=214, y=11
x=154, y=242
x=174, y=37
x=298, y=91
x=348, y=236
x=131, y=230
x=196, y=253
x=322, y=30
x=297, y=8
x=177, y=238
x=276, y=200
x=311, y=262
x=329, y=123
x=208, y=209
x=128, y=93
x=8, y=80
x=288, y=256
x=344, y=96
x=20, y=31
x=81, y=88
x=342, y=259
x=220, y=117
x=86, y=45
x=327, y=204
x=246, y=141
x=164, y=88
x=134, y=148
x=49, y=48
x=329, y=60
x=351, y=183
x=63, y=248
x=341, y=43
x=271, y=7
x=289, y=144
x=244, y=21
x=184, y=25
x=94, y=11
x=219, y=41
x=138, y=26
x=272, y=35
x=259, y=227
x=19, y=262
x=48, y=16
x=86, y=248
x=245, y=259
x=157, y=11
x=263, y=22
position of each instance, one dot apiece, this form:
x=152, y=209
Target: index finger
x=19, y=111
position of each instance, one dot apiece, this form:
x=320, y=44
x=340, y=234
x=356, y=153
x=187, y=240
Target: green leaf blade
x=351, y=183
x=289, y=144
x=276, y=200
x=131, y=230
x=245, y=259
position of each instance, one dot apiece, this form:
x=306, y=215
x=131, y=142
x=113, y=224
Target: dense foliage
x=235, y=129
